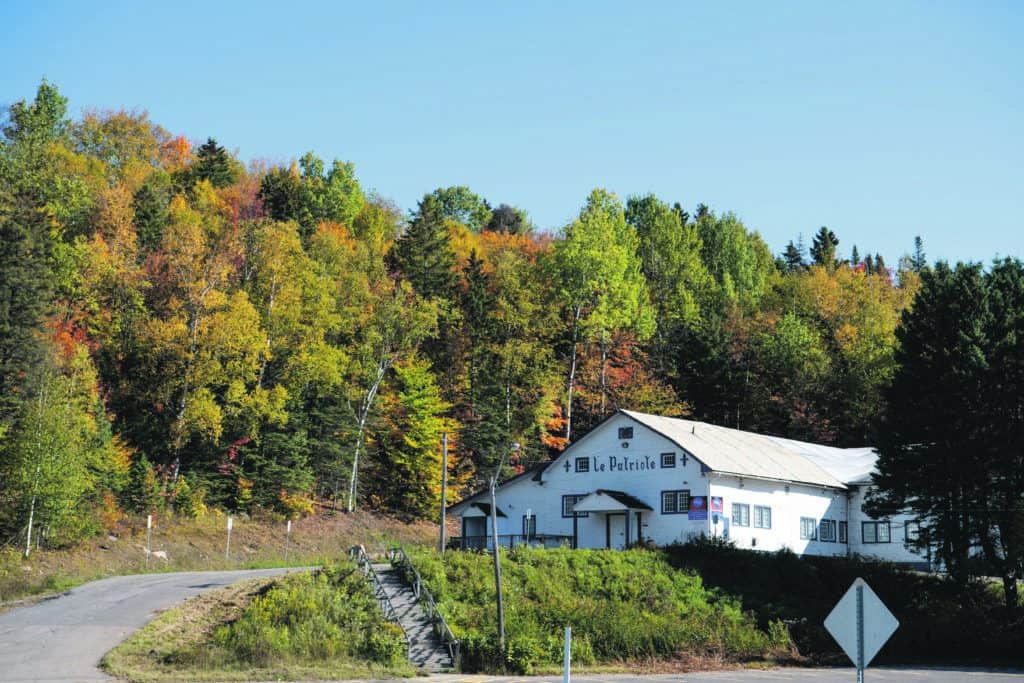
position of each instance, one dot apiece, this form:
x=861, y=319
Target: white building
x=638, y=477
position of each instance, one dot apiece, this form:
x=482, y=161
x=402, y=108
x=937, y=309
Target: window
x=668, y=459
x=762, y=517
x=808, y=529
x=827, y=530
x=529, y=526
x=569, y=501
x=675, y=502
x=740, y=515
x=875, y=532
x=843, y=534
x=625, y=432
x=912, y=531
x=582, y=464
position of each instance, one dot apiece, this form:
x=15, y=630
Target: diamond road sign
x=861, y=624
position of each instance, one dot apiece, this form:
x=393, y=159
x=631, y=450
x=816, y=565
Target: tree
x=143, y=493
x=459, y=203
x=601, y=283
x=510, y=220
x=423, y=255
x=919, y=261
x=213, y=163
x=855, y=257
x=793, y=258
x=931, y=460
x=823, y=249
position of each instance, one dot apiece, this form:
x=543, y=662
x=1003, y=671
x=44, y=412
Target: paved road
x=872, y=675
x=63, y=639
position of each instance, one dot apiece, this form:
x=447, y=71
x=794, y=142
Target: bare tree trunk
x=31, y=519
x=604, y=373
x=364, y=412
x=572, y=373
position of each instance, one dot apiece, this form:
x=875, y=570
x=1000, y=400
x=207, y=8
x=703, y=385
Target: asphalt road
x=879, y=675
x=64, y=638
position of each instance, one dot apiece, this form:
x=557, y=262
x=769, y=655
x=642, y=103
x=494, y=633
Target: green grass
x=319, y=625
x=625, y=607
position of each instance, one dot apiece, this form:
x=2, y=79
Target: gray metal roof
x=848, y=465
x=731, y=451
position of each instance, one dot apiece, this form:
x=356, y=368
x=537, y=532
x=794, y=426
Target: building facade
x=644, y=478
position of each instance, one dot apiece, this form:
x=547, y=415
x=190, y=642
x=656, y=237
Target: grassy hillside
x=625, y=608
x=939, y=622
x=323, y=625
x=199, y=544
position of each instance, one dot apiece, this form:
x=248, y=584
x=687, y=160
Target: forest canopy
x=180, y=329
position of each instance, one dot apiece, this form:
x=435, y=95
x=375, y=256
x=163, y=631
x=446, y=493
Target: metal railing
x=358, y=553
x=483, y=542
x=401, y=562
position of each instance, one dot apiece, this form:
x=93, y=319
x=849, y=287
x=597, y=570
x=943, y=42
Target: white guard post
x=567, y=657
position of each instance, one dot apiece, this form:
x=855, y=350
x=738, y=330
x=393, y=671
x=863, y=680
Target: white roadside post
x=149, y=537
x=861, y=624
x=287, y=540
x=526, y=531
x=567, y=656
x=227, y=548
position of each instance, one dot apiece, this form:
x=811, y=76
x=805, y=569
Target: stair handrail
x=362, y=560
x=400, y=560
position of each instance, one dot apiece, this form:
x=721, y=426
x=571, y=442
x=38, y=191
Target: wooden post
x=444, y=487
x=497, y=566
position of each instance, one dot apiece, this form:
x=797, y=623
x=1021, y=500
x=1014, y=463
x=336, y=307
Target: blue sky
x=881, y=120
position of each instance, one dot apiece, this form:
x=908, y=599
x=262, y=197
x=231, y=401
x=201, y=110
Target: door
x=615, y=531
x=474, y=532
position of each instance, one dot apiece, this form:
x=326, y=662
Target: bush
x=329, y=615
x=622, y=605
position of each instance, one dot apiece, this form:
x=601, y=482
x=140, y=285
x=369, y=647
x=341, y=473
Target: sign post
x=287, y=540
x=227, y=548
x=149, y=537
x=861, y=624
x=567, y=656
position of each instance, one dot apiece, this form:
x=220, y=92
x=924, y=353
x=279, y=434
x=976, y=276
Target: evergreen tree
x=423, y=255
x=823, y=249
x=143, y=492
x=213, y=163
x=510, y=220
x=880, y=267
x=855, y=257
x=919, y=260
x=793, y=258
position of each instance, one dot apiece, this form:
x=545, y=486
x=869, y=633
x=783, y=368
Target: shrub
x=327, y=615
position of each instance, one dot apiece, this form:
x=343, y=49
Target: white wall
x=787, y=508
x=894, y=551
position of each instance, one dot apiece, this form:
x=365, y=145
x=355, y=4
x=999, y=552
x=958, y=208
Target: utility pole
x=444, y=486
x=494, y=542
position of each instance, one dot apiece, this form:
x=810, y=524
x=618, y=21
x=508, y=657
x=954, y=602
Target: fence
x=510, y=541
x=401, y=562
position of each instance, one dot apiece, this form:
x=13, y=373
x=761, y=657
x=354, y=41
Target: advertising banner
x=698, y=508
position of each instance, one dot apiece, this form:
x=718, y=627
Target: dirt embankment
x=201, y=544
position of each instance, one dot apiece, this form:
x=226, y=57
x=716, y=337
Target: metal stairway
x=426, y=649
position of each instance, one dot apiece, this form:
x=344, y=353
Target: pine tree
x=823, y=249
x=919, y=260
x=213, y=163
x=793, y=258
x=423, y=256
x=143, y=492
x=880, y=267
x=855, y=257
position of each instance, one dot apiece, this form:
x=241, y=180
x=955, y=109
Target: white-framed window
x=740, y=514
x=875, y=532
x=668, y=459
x=569, y=501
x=675, y=502
x=762, y=517
x=625, y=433
x=808, y=529
x=827, y=530
x=843, y=533
x=582, y=464
x=912, y=531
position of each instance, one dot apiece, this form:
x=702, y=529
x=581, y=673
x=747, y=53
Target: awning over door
x=481, y=510
x=605, y=500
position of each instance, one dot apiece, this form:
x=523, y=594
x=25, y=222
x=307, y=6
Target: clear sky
x=881, y=120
